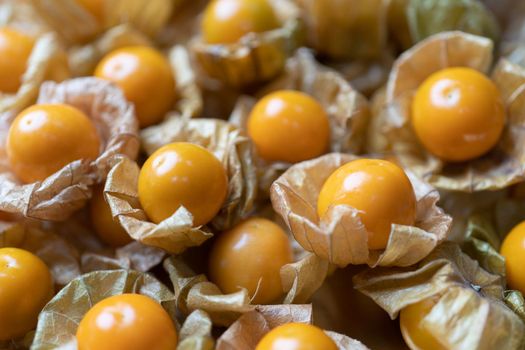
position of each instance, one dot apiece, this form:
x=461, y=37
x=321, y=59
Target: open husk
x=177, y=233
x=67, y=190
x=513, y=40
x=195, y=333
x=299, y=279
x=350, y=29
x=470, y=312
x=340, y=236
x=391, y=132
x=250, y=328
x=58, y=321
x=347, y=109
x=256, y=57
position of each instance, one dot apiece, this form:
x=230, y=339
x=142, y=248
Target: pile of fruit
x=262, y=174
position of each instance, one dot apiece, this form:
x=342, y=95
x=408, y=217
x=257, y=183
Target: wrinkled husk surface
x=470, y=312
x=339, y=236
x=67, y=190
x=390, y=130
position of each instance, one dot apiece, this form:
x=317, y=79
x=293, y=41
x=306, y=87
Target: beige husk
x=256, y=57
x=391, y=132
x=251, y=327
x=47, y=62
x=177, y=233
x=512, y=45
x=469, y=313
x=347, y=109
x=358, y=33
x=58, y=321
x=194, y=292
x=67, y=190
x=195, y=333
x=339, y=236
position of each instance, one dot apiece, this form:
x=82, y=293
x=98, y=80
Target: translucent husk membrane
x=255, y=58
x=339, y=236
x=67, y=190
x=251, y=327
x=346, y=108
x=471, y=310
x=390, y=130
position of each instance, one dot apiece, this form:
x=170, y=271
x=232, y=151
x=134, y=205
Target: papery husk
x=349, y=29
x=250, y=328
x=255, y=58
x=67, y=190
x=347, y=109
x=23, y=17
x=58, y=321
x=512, y=46
x=229, y=144
x=83, y=59
x=47, y=62
x=62, y=259
x=391, y=131
x=470, y=312
x=194, y=292
x=340, y=236
x=195, y=333
x=414, y=20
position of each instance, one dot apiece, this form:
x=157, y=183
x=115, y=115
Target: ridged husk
x=470, y=312
x=67, y=190
x=411, y=21
x=195, y=333
x=349, y=29
x=256, y=57
x=299, y=279
x=391, y=132
x=250, y=328
x=58, y=321
x=47, y=61
x=339, y=236
x=347, y=109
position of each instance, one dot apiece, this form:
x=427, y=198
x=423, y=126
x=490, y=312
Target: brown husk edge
x=251, y=327
x=390, y=130
x=256, y=57
x=67, y=190
x=58, y=321
x=470, y=312
x=340, y=236
x=347, y=109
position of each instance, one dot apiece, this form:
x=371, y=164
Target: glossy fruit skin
x=458, y=114
x=107, y=229
x=226, y=21
x=378, y=189
x=26, y=285
x=289, y=126
x=127, y=322
x=253, y=250
x=145, y=77
x=417, y=337
x=513, y=249
x=296, y=336
x=15, y=49
x=182, y=174
x=44, y=138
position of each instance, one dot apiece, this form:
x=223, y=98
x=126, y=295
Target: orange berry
x=127, y=322
x=289, y=126
x=416, y=336
x=182, y=174
x=15, y=49
x=107, y=229
x=513, y=249
x=296, y=336
x=240, y=259
x=458, y=114
x=26, y=286
x=378, y=189
x=226, y=21
x=145, y=77
x=44, y=138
